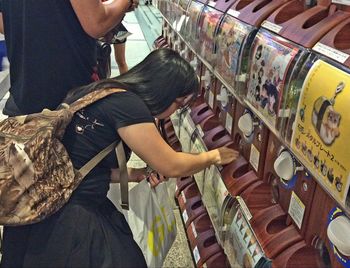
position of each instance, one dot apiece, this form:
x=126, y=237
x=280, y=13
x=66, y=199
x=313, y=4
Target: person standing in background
x=119, y=35
x=119, y=55
x=52, y=47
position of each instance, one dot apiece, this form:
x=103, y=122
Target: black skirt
x=78, y=235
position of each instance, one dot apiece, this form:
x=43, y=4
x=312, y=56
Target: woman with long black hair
x=89, y=231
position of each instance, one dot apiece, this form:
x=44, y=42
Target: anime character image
x=339, y=183
x=323, y=168
x=325, y=118
x=270, y=61
x=330, y=175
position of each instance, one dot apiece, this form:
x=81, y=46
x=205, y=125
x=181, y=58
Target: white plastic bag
x=151, y=219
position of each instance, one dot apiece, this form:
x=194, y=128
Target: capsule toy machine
x=274, y=63
x=327, y=231
x=232, y=37
x=190, y=32
x=186, y=127
x=320, y=130
x=253, y=142
x=327, y=234
x=284, y=193
x=316, y=97
x=246, y=18
x=179, y=23
x=270, y=77
x=164, y=7
x=212, y=188
x=308, y=25
x=234, y=42
x=208, y=24
x=168, y=10
x=239, y=241
x=336, y=44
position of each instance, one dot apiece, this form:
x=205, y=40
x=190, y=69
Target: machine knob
x=246, y=124
x=338, y=232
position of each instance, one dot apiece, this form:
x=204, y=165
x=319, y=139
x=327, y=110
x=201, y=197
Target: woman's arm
x=135, y=174
x=145, y=140
x=1, y=24
x=97, y=18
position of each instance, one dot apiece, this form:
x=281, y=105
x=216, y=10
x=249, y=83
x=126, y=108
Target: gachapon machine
x=165, y=7
x=276, y=61
x=297, y=22
x=239, y=240
x=241, y=24
x=171, y=18
x=272, y=61
x=194, y=10
x=208, y=26
x=327, y=234
x=234, y=42
x=320, y=128
x=179, y=22
x=336, y=44
x=320, y=91
x=232, y=37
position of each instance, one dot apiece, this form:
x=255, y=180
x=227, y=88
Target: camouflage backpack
x=37, y=176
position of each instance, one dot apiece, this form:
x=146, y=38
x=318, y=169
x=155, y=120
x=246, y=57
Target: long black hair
x=158, y=80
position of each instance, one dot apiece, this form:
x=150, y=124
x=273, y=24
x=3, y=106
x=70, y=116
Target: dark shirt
x=48, y=50
x=93, y=129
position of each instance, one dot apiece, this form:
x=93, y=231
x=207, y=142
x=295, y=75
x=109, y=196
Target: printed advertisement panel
x=322, y=130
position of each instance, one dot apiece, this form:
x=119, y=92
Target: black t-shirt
x=94, y=128
x=48, y=50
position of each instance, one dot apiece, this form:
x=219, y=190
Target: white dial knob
x=223, y=96
x=246, y=124
x=183, y=53
x=194, y=63
x=285, y=166
x=338, y=232
x=207, y=78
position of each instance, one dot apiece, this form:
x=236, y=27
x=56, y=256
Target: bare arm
x=1, y=24
x=135, y=175
x=145, y=140
x=97, y=18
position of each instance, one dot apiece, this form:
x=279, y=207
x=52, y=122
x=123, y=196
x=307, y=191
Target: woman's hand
x=135, y=174
x=223, y=155
x=154, y=179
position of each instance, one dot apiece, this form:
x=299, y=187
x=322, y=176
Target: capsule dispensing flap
x=338, y=232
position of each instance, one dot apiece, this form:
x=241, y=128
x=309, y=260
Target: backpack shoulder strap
x=124, y=178
x=92, y=97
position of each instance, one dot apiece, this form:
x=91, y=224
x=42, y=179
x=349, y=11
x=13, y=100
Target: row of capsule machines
x=275, y=85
